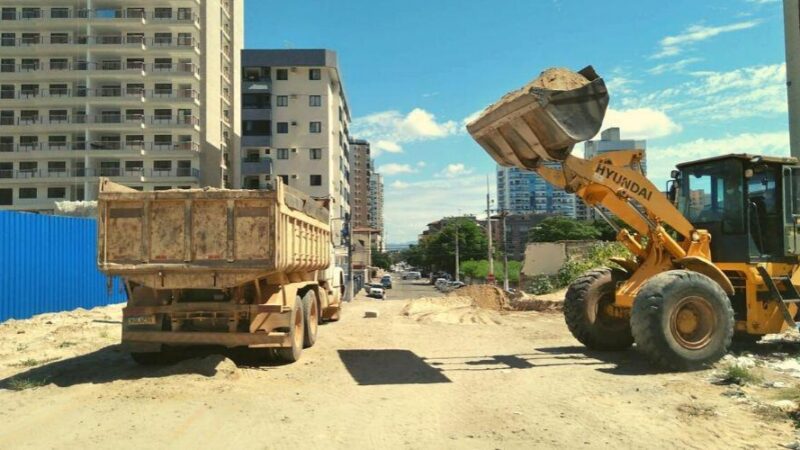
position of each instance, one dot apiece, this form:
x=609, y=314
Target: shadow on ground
x=377, y=367
x=113, y=363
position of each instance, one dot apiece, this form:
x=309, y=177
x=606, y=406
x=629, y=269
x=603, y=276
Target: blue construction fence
x=49, y=264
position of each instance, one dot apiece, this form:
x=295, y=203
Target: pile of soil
x=484, y=296
x=552, y=302
x=450, y=310
x=554, y=78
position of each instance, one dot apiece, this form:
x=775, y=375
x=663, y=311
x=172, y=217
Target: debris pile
x=450, y=310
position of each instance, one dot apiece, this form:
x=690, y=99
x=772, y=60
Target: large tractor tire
x=297, y=327
x=682, y=320
x=312, y=318
x=586, y=311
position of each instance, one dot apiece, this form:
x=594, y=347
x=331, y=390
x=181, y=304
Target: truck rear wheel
x=682, y=320
x=296, y=331
x=587, y=311
x=312, y=318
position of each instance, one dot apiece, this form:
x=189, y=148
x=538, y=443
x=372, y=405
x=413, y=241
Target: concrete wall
x=546, y=258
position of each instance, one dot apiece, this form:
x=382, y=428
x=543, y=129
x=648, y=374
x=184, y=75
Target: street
x=395, y=381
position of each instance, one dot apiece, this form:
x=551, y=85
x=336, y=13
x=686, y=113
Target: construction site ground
x=439, y=373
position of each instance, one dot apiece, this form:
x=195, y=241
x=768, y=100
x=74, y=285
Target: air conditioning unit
x=294, y=150
x=266, y=150
x=294, y=177
x=294, y=123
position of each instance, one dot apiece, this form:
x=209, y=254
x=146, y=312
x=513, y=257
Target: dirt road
x=516, y=381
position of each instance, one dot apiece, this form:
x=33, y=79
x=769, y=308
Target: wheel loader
x=713, y=258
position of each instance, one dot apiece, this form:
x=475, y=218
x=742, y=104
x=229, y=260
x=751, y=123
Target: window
x=316, y=153
x=282, y=127
x=315, y=127
x=6, y=144
x=134, y=166
x=6, y=117
x=257, y=127
x=255, y=74
x=315, y=180
x=314, y=74
x=59, y=38
x=282, y=74
x=282, y=100
x=314, y=100
x=9, y=14
x=283, y=153
x=29, y=64
x=28, y=193
x=162, y=166
x=185, y=39
x=59, y=64
x=28, y=167
x=162, y=90
x=8, y=39
x=284, y=179
x=31, y=38
x=28, y=142
x=162, y=39
x=134, y=38
x=56, y=192
x=162, y=13
x=59, y=13
x=255, y=101
x=31, y=13
x=135, y=13
x=162, y=64
x=57, y=143
x=7, y=65
x=6, y=91
x=56, y=166
x=58, y=116
x=184, y=168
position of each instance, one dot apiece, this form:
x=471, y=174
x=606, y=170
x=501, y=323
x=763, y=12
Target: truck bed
x=208, y=238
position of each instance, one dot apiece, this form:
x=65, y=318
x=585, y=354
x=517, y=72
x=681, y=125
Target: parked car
x=376, y=291
x=440, y=283
x=386, y=282
x=412, y=276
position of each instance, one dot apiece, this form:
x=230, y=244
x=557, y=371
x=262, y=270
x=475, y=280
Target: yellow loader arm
x=528, y=128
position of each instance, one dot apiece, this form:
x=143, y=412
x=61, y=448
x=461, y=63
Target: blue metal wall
x=49, y=264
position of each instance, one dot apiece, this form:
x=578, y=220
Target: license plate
x=141, y=320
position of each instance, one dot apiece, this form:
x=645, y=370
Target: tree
x=560, y=228
x=441, y=247
x=380, y=259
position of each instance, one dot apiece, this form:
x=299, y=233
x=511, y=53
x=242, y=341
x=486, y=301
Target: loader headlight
x=695, y=236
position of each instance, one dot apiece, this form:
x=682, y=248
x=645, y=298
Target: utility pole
x=503, y=214
x=457, y=269
x=490, y=276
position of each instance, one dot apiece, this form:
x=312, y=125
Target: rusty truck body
x=218, y=267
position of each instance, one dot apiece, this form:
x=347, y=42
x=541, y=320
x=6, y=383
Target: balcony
x=79, y=70
x=25, y=45
x=99, y=147
x=256, y=166
x=79, y=173
x=115, y=120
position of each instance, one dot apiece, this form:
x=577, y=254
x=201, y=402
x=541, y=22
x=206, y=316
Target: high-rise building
x=295, y=125
x=144, y=92
x=376, y=204
x=523, y=192
x=610, y=141
x=360, y=173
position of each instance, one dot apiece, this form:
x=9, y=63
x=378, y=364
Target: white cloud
x=641, y=123
x=394, y=169
x=409, y=209
x=390, y=129
x=676, y=66
x=673, y=45
x=421, y=164
x=397, y=184
x=470, y=118
x=454, y=170
x=763, y=2
x=662, y=159
x=620, y=84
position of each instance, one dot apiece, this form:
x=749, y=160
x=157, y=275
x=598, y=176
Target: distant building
x=523, y=192
x=376, y=204
x=360, y=175
x=609, y=141
x=515, y=234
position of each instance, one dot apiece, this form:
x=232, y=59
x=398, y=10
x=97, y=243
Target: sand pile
x=552, y=302
x=554, y=78
x=451, y=310
x=484, y=296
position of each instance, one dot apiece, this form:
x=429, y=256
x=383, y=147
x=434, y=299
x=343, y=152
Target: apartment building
x=524, y=192
x=376, y=204
x=295, y=126
x=140, y=91
x=361, y=166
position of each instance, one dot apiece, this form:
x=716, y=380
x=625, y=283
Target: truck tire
x=296, y=330
x=585, y=311
x=682, y=320
x=312, y=318
x=336, y=315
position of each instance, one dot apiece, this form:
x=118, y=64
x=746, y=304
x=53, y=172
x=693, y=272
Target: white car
x=376, y=291
x=440, y=283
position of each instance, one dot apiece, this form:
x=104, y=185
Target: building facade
x=295, y=126
x=514, y=230
x=523, y=192
x=376, y=205
x=143, y=92
x=361, y=165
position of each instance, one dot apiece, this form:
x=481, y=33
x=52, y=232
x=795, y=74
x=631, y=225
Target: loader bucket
x=541, y=124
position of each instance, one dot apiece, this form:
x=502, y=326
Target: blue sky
x=693, y=78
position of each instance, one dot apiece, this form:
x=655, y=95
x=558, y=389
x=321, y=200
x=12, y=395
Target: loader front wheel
x=589, y=311
x=682, y=320
x=296, y=334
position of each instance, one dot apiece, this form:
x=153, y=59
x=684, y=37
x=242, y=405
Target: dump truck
x=218, y=267
x=712, y=259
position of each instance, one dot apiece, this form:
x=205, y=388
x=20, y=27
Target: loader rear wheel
x=296, y=334
x=311, y=312
x=682, y=320
x=588, y=307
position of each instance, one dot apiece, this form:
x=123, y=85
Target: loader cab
x=748, y=203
